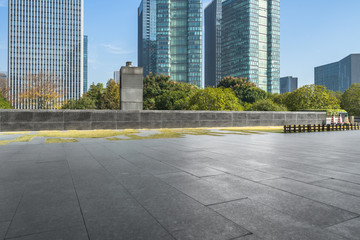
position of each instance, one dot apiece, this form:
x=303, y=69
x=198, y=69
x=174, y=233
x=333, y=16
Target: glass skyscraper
x=250, y=41
x=213, y=16
x=178, y=41
x=288, y=84
x=147, y=36
x=339, y=76
x=85, y=64
x=46, y=37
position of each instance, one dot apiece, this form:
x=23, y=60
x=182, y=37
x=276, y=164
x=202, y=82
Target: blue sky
x=313, y=32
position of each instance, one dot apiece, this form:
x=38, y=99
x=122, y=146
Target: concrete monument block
x=131, y=87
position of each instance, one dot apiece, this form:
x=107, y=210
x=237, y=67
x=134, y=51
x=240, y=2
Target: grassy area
x=131, y=134
x=180, y=133
x=25, y=138
x=13, y=133
x=86, y=134
x=60, y=140
x=254, y=130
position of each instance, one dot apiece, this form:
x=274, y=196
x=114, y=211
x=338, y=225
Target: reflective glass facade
x=178, y=38
x=251, y=41
x=85, y=64
x=339, y=76
x=213, y=16
x=147, y=36
x=46, y=37
x=288, y=84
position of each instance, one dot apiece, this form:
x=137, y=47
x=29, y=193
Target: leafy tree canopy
x=4, y=104
x=266, y=105
x=350, y=100
x=161, y=93
x=311, y=97
x=110, y=98
x=81, y=104
x=245, y=91
x=215, y=99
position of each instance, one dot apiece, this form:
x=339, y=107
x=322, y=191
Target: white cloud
x=115, y=49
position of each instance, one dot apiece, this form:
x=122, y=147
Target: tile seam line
x=322, y=229
x=76, y=193
x=184, y=194
x=358, y=217
x=261, y=183
x=168, y=164
x=358, y=196
x=36, y=233
x=357, y=214
x=12, y=219
x=128, y=191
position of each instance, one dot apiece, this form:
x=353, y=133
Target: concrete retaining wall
x=34, y=120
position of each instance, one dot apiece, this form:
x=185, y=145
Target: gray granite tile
x=296, y=175
x=303, y=209
x=3, y=228
x=110, y=212
x=78, y=233
x=203, y=191
x=327, y=196
x=47, y=204
x=184, y=217
x=340, y=186
x=269, y=223
x=349, y=229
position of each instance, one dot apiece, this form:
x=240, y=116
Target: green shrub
x=265, y=105
x=215, y=99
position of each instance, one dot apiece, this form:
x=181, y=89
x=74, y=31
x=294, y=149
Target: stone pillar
x=131, y=87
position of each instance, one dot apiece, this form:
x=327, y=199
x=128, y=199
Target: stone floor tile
x=269, y=223
x=349, y=229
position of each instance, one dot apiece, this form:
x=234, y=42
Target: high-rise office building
x=288, y=84
x=339, y=76
x=147, y=36
x=178, y=41
x=46, y=38
x=250, y=32
x=213, y=15
x=85, y=64
x=117, y=76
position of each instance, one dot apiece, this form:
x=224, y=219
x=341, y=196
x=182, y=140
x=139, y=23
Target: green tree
x=350, y=100
x=176, y=99
x=81, y=104
x=279, y=99
x=110, y=98
x=245, y=91
x=311, y=97
x=215, y=99
x=95, y=93
x=4, y=104
x=161, y=93
x=336, y=94
x=266, y=105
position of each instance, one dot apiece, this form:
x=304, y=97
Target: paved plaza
x=244, y=187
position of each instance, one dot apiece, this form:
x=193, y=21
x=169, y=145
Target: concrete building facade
x=131, y=88
x=288, y=84
x=339, y=76
x=250, y=32
x=46, y=37
x=213, y=16
x=178, y=39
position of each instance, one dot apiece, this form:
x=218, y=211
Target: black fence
x=320, y=128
